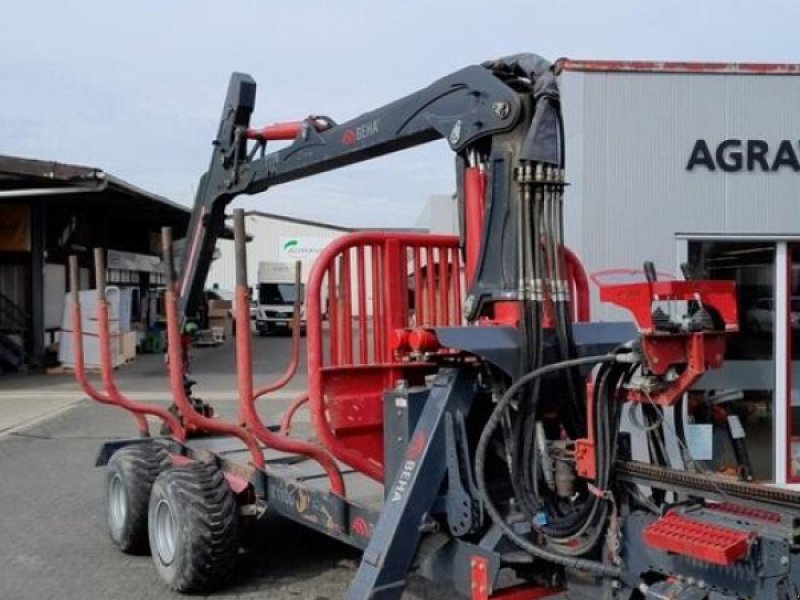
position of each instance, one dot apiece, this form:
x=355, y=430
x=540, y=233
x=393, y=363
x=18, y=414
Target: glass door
x=748, y=374
x=791, y=318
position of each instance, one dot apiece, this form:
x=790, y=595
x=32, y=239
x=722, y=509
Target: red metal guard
x=414, y=281
x=690, y=353
x=638, y=299
x=693, y=352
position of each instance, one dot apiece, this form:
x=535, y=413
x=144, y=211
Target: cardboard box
x=128, y=346
x=219, y=306
x=222, y=323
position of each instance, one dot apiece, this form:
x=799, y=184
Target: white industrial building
x=439, y=215
x=274, y=238
x=698, y=163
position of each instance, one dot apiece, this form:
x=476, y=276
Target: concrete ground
x=53, y=542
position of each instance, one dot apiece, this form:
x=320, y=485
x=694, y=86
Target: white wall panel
x=629, y=139
x=266, y=234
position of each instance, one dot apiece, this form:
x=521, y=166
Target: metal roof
x=24, y=177
x=642, y=66
x=31, y=177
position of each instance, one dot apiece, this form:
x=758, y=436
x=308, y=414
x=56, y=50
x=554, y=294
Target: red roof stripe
x=641, y=66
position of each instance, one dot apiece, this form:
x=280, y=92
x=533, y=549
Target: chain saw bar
x=714, y=487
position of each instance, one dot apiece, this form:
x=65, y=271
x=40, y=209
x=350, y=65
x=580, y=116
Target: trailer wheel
x=130, y=474
x=193, y=527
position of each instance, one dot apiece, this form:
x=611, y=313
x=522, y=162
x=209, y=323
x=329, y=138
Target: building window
x=748, y=374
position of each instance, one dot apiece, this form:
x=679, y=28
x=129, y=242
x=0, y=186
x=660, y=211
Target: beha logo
x=413, y=452
x=289, y=244
x=361, y=132
x=735, y=155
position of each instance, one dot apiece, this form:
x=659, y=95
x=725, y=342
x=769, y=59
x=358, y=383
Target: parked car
x=760, y=316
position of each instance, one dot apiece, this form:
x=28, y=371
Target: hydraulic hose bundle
x=555, y=548
x=569, y=523
x=565, y=530
x=543, y=296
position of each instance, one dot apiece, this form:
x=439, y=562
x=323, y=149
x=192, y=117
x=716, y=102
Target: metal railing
x=373, y=287
x=372, y=284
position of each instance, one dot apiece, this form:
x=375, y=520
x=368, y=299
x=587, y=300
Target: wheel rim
x=164, y=532
x=117, y=502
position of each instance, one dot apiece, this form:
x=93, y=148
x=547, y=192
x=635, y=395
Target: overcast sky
x=136, y=87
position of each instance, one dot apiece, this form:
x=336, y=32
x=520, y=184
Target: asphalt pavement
x=53, y=541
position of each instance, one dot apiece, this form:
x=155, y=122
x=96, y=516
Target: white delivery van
x=275, y=296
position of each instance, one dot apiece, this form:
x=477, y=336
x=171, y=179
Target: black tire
x=130, y=474
x=193, y=528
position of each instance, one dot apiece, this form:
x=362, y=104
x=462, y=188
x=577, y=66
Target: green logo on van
x=290, y=244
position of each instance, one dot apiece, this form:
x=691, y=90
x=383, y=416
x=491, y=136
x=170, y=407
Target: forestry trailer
x=470, y=423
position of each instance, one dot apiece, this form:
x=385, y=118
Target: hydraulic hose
x=566, y=304
x=532, y=336
x=593, y=566
x=587, y=520
x=558, y=276
x=566, y=528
